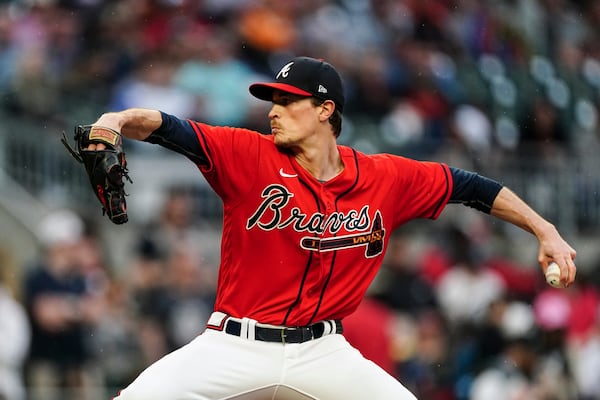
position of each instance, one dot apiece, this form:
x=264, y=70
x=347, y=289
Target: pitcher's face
x=293, y=119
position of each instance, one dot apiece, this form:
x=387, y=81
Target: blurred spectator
x=112, y=341
x=526, y=367
x=428, y=87
x=404, y=128
x=46, y=52
x=400, y=284
x=15, y=336
x=116, y=341
x=569, y=320
x=428, y=370
x=151, y=86
x=467, y=289
x=268, y=26
x=522, y=282
x=511, y=375
x=481, y=29
x=543, y=131
x=216, y=78
x=472, y=129
x=191, y=289
x=62, y=310
x=148, y=300
x=176, y=225
x=372, y=90
x=475, y=349
x=434, y=261
x=34, y=88
x=585, y=360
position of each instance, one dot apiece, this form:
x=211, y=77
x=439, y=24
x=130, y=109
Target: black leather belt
x=286, y=335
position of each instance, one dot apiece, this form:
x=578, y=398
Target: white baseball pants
x=219, y=366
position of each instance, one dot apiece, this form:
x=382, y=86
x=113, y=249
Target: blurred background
x=509, y=89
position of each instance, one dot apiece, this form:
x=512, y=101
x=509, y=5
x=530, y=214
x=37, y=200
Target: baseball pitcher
x=305, y=229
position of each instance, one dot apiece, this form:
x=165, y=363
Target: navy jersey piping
x=441, y=202
x=199, y=132
x=309, y=262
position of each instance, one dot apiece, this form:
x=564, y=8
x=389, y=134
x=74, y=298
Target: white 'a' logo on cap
x=284, y=72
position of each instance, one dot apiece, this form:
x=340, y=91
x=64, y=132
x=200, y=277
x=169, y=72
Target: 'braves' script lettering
x=272, y=214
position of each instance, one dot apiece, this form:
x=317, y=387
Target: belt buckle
x=283, y=334
x=306, y=334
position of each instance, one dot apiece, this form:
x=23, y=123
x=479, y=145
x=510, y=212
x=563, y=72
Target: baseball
x=553, y=275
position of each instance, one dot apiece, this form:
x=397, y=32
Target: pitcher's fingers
x=96, y=146
x=572, y=272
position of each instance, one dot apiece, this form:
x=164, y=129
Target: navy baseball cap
x=304, y=76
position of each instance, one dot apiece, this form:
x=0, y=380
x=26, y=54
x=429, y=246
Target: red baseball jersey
x=295, y=250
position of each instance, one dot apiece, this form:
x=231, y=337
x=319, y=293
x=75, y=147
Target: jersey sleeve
x=232, y=158
x=422, y=188
x=227, y=157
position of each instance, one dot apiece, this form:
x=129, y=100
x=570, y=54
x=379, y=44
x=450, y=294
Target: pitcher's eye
x=286, y=99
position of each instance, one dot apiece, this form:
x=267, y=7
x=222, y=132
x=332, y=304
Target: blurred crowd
x=76, y=327
x=448, y=319
x=421, y=75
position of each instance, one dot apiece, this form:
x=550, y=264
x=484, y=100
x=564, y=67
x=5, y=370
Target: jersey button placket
x=327, y=207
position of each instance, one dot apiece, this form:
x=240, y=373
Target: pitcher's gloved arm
x=133, y=123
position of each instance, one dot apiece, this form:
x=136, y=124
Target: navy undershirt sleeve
x=473, y=190
x=178, y=135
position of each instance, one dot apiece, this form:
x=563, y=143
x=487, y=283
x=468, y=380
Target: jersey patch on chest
x=373, y=240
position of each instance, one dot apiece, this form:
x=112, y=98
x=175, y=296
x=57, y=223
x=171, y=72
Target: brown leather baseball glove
x=105, y=168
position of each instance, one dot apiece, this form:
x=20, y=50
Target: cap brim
x=264, y=91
